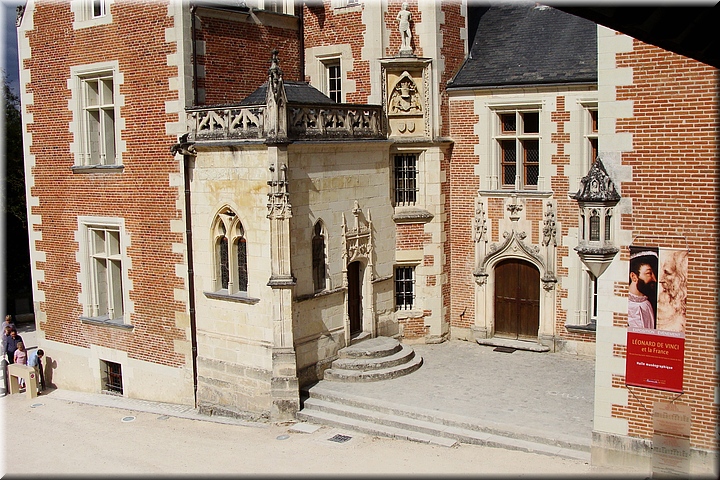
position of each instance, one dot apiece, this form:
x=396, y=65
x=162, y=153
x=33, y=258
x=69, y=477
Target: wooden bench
x=27, y=373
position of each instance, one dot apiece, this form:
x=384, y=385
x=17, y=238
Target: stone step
x=344, y=375
x=399, y=426
x=404, y=355
x=371, y=348
x=457, y=426
x=324, y=418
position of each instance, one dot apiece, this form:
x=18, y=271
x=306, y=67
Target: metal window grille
x=242, y=269
x=405, y=179
x=508, y=123
x=532, y=162
x=113, y=377
x=404, y=288
x=224, y=262
x=519, y=149
x=608, y=224
x=595, y=227
x=509, y=162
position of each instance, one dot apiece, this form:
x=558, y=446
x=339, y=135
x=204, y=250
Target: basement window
x=112, y=377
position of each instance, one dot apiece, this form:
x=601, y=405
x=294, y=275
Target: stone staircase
x=374, y=359
x=326, y=406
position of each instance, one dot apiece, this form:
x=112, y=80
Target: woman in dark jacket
x=9, y=344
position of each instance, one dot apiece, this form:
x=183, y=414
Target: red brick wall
x=453, y=54
x=411, y=236
x=237, y=56
x=141, y=194
x=414, y=327
x=674, y=195
x=463, y=184
x=323, y=27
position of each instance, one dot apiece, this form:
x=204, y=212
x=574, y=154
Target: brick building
x=234, y=269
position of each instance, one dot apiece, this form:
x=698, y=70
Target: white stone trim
x=315, y=65
x=84, y=277
x=82, y=17
x=27, y=100
x=75, y=105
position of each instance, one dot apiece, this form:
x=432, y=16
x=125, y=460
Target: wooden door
x=517, y=299
x=354, y=297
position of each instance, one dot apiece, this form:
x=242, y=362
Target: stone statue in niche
x=405, y=97
x=404, y=17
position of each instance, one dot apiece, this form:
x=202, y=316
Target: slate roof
x=297, y=92
x=521, y=45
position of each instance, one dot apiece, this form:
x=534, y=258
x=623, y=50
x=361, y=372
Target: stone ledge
x=516, y=344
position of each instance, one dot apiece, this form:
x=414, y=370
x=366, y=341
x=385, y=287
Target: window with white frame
x=230, y=254
x=105, y=272
x=404, y=287
x=518, y=147
x=405, y=173
x=344, y=3
x=333, y=79
x=319, y=257
x=98, y=120
x=276, y=6
x=97, y=8
x=593, y=297
x=89, y=13
x=591, y=133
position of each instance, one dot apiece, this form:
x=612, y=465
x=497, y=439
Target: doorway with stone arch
x=355, y=297
x=517, y=300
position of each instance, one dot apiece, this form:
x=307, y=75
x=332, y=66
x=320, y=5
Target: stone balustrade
x=304, y=122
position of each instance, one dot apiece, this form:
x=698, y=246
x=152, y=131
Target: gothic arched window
x=230, y=256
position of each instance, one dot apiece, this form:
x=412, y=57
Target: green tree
x=14, y=168
x=18, y=284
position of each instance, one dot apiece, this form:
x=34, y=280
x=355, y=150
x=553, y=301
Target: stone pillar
x=284, y=389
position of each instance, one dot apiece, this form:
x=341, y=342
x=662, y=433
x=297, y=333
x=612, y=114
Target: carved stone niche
x=406, y=98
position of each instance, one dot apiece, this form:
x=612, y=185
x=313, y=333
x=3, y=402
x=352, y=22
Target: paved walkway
x=527, y=392
x=538, y=393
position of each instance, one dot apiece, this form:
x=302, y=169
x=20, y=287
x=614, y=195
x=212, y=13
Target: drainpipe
x=186, y=149
x=190, y=274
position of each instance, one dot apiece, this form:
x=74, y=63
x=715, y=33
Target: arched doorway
x=517, y=300
x=354, y=278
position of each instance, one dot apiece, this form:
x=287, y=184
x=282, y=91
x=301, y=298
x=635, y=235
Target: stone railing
x=228, y=123
x=343, y=121
x=317, y=122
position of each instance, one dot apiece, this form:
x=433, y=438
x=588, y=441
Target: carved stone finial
x=597, y=186
x=275, y=74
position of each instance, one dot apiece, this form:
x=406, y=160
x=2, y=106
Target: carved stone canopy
x=597, y=186
x=596, y=198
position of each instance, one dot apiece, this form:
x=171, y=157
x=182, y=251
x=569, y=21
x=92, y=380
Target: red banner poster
x=655, y=359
